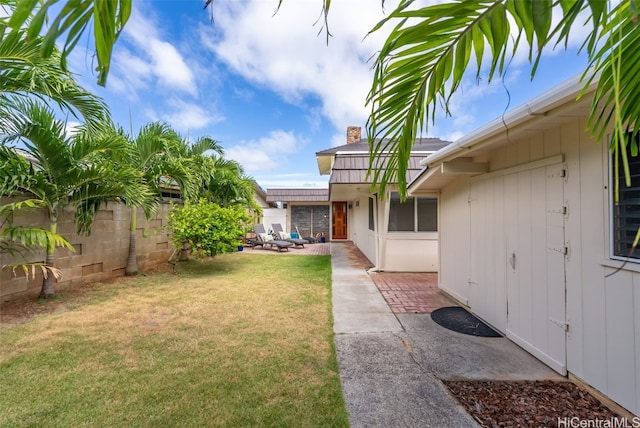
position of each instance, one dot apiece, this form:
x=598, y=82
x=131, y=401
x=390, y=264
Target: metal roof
x=352, y=169
x=298, y=195
x=421, y=144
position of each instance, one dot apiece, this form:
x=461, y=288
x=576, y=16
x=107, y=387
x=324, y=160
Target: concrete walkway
x=392, y=365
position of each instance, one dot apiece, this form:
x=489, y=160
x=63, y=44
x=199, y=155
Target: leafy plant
x=21, y=241
x=207, y=228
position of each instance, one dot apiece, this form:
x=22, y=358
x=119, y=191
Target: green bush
x=207, y=228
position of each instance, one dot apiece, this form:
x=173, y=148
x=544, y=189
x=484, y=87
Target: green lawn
x=241, y=341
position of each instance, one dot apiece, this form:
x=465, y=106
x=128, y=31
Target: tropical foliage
x=230, y=186
x=52, y=168
x=429, y=49
x=153, y=153
x=207, y=228
x=425, y=57
x=24, y=72
x=65, y=172
x=22, y=241
x=72, y=18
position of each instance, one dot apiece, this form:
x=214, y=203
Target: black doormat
x=459, y=319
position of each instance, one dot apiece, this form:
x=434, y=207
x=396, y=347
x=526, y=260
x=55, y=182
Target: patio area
x=308, y=250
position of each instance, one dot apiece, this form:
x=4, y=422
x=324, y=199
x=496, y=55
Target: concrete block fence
x=98, y=257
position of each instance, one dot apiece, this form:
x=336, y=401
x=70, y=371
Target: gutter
x=539, y=106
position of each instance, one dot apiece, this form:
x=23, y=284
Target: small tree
x=207, y=228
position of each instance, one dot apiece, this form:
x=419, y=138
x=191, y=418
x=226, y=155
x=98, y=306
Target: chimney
x=354, y=134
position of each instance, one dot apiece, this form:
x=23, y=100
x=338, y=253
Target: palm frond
x=25, y=72
x=430, y=50
x=72, y=19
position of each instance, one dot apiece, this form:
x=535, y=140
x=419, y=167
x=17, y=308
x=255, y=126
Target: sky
x=269, y=87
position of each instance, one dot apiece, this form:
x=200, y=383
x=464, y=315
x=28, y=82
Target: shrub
x=207, y=228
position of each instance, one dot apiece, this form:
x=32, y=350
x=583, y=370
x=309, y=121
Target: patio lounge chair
x=298, y=242
x=265, y=239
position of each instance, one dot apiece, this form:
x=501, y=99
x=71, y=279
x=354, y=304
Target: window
x=626, y=212
x=372, y=224
x=413, y=215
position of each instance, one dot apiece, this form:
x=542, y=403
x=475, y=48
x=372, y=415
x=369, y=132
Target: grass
x=241, y=340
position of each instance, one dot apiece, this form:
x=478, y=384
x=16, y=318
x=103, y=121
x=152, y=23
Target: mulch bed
x=528, y=403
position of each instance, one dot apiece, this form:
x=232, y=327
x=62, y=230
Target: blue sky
x=268, y=87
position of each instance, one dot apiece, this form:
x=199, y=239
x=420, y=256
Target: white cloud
x=71, y=127
x=286, y=54
x=267, y=153
x=144, y=58
x=185, y=116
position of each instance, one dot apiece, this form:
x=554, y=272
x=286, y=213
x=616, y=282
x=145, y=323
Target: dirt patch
x=528, y=404
x=20, y=310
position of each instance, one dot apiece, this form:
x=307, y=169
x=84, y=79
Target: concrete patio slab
x=392, y=366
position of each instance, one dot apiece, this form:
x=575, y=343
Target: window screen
x=413, y=215
x=427, y=214
x=401, y=214
x=626, y=211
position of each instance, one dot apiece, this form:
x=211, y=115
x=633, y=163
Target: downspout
x=376, y=221
x=381, y=235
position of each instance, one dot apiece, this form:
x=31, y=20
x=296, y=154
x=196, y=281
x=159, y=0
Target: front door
x=339, y=221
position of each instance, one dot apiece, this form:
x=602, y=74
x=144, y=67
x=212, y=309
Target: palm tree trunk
x=47, y=291
x=132, y=263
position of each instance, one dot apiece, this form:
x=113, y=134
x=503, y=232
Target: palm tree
x=65, y=171
x=230, y=186
x=220, y=180
x=24, y=72
x=156, y=153
x=200, y=159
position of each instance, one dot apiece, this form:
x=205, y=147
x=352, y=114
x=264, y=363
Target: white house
x=532, y=242
x=394, y=236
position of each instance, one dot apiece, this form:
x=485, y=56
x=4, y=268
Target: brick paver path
x=415, y=293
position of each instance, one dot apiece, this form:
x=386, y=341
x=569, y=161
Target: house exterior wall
x=388, y=251
x=603, y=312
x=411, y=252
x=98, y=257
x=358, y=227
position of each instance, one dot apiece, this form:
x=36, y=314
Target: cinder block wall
x=99, y=256
x=310, y=219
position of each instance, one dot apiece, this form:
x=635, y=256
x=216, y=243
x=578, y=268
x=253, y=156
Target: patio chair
x=309, y=239
x=265, y=239
x=254, y=242
x=297, y=242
